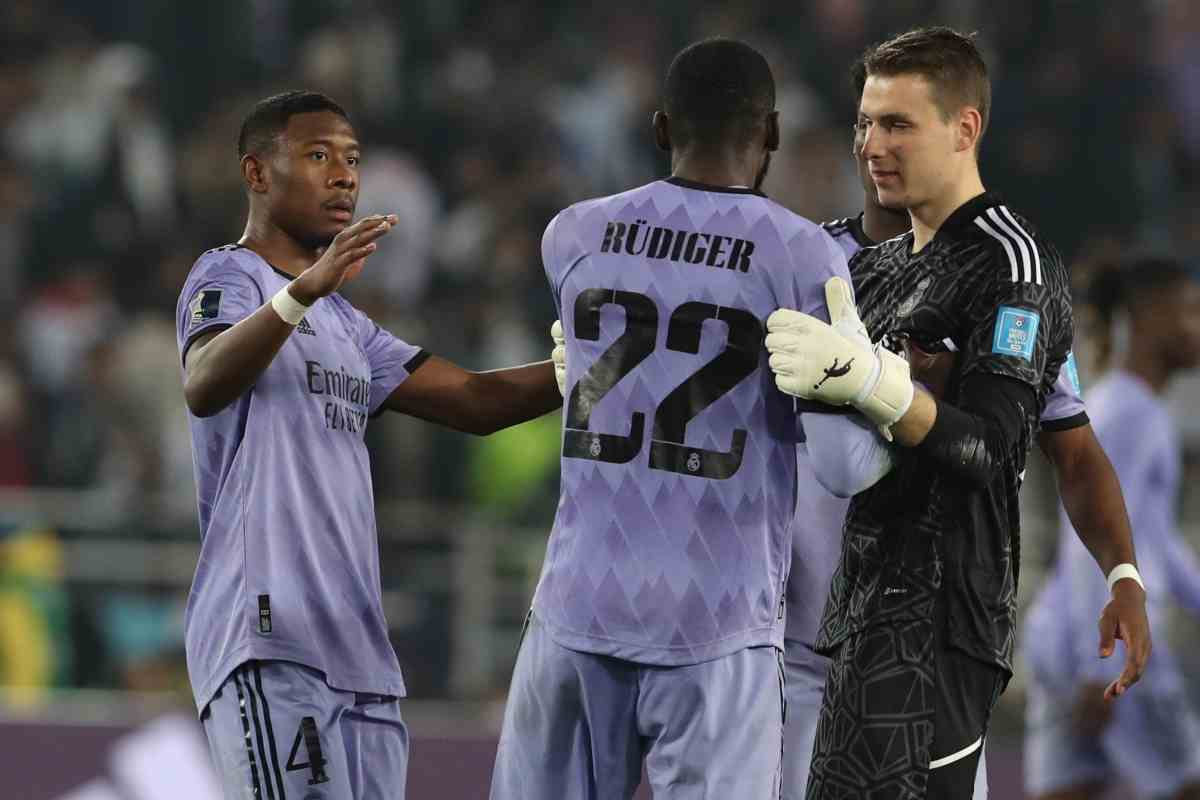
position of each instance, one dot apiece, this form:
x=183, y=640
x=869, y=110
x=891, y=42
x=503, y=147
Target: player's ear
x=254, y=173
x=662, y=131
x=772, y=142
x=970, y=128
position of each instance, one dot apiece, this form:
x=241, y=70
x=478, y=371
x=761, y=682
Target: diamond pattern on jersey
x=678, y=560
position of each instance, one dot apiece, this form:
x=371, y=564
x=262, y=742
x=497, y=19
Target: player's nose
x=342, y=177
x=872, y=142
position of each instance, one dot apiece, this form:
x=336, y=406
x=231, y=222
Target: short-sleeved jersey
x=289, y=557
x=671, y=543
x=989, y=287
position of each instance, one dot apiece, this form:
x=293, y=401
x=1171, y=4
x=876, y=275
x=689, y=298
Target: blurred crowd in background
x=118, y=167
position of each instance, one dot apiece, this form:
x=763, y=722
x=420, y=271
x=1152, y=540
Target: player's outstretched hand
x=559, y=356
x=343, y=259
x=835, y=362
x=1124, y=618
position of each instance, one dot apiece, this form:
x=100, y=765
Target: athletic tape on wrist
x=289, y=309
x=1121, y=571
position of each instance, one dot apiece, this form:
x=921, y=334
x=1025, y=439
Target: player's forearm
x=476, y=402
x=507, y=397
x=1091, y=495
x=222, y=369
x=911, y=429
x=974, y=438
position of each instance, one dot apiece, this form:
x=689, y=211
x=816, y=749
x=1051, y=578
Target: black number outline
x=618, y=360
x=736, y=362
x=307, y=733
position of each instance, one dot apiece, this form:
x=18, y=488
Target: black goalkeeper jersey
x=989, y=288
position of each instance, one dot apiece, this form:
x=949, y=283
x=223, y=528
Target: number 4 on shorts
x=307, y=734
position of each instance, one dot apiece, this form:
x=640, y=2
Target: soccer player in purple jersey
x=1086, y=481
x=657, y=624
x=1076, y=744
x=294, y=676
x=923, y=599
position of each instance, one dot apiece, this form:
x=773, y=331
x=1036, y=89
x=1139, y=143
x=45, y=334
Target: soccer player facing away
x=1087, y=484
x=1076, y=744
x=656, y=627
x=920, y=618
x=287, y=647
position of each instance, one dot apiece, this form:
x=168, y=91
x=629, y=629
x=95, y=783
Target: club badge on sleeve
x=1016, y=332
x=206, y=306
x=1072, y=370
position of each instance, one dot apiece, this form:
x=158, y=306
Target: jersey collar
x=857, y=233
x=705, y=187
x=961, y=223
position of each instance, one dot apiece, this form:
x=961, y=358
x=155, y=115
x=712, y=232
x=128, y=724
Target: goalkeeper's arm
x=975, y=437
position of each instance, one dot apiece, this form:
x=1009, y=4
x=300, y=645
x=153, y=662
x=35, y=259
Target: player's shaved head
x=269, y=118
x=947, y=59
x=718, y=93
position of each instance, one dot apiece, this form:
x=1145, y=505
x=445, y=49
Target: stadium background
x=118, y=122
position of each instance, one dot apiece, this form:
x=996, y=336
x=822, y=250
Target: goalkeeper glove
x=836, y=363
x=559, y=356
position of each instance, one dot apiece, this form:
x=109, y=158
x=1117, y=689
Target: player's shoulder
x=848, y=228
x=228, y=258
x=1004, y=243
x=883, y=252
x=607, y=206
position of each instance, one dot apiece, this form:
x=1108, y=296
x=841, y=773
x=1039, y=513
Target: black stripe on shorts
x=258, y=685
x=255, y=783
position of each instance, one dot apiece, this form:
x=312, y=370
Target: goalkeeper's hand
x=559, y=356
x=836, y=363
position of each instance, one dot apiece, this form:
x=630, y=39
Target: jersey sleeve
x=562, y=249
x=219, y=293
x=816, y=258
x=392, y=360
x=1065, y=408
x=1019, y=327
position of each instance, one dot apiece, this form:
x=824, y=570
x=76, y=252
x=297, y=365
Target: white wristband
x=289, y=309
x=1121, y=571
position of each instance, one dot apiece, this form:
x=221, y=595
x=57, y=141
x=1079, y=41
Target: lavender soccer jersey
x=671, y=542
x=289, y=559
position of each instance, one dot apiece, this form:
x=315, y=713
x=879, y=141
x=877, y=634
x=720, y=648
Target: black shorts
x=903, y=717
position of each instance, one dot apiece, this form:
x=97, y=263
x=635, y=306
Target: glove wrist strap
x=891, y=391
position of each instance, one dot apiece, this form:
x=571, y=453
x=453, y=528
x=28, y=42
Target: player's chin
x=324, y=231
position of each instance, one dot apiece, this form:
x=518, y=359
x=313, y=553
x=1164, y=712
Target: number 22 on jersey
x=738, y=360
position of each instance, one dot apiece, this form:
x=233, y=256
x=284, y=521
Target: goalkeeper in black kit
x=921, y=615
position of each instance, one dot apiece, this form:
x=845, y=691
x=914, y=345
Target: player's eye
x=352, y=161
x=317, y=155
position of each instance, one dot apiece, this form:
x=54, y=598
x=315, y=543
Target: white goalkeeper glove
x=559, y=356
x=836, y=363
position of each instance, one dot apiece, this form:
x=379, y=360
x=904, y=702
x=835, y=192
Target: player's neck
x=276, y=247
x=928, y=217
x=1144, y=362
x=881, y=224
x=714, y=169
